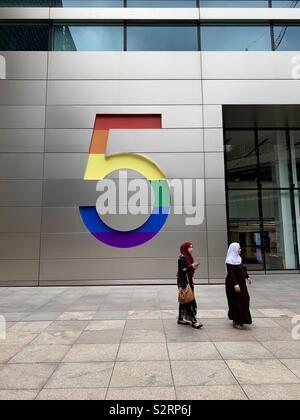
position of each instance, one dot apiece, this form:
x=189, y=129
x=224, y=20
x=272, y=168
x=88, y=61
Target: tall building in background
x=220, y=82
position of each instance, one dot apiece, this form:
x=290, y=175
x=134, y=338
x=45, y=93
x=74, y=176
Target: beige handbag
x=185, y=295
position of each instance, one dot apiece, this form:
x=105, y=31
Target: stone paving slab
x=41, y=354
x=141, y=374
x=202, y=372
x=25, y=376
x=268, y=371
x=130, y=352
x=72, y=394
x=142, y=393
x=17, y=395
x=92, y=353
x=273, y=392
x=211, y=392
x=81, y=375
x=123, y=342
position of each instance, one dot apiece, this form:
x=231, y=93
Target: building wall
x=48, y=105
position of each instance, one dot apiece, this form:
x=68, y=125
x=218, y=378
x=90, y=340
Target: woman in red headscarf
x=186, y=270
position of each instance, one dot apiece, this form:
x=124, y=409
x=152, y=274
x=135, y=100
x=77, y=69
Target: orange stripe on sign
x=99, y=142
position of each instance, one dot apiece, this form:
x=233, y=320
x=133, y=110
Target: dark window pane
x=273, y=159
x=234, y=3
x=24, y=37
x=286, y=3
x=287, y=38
x=243, y=205
x=279, y=236
x=249, y=237
x=162, y=38
x=244, y=226
x=24, y=3
x=88, y=38
x=241, y=159
x=295, y=155
x=162, y=3
x=235, y=38
x=89, y=3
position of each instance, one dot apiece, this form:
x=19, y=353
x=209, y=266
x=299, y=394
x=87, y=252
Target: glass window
x=243, y=205
x=273, y=159
x=162, y=38
x=279, y=237
x=286, y=3
x=24, y=37
x=287, y=38
x=89, y=3
x=244, y=226
x=234, y=3
x=24, y=3
x=295, y=155
x=88, y=38
x=241, y=159
x=216, y=37
x=162, y=3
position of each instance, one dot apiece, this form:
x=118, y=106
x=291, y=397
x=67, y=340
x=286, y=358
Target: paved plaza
x=122, y=342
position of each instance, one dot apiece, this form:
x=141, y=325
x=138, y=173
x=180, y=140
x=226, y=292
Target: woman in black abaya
x=236, y=288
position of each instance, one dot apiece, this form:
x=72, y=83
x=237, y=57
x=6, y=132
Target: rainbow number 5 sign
x=99, y=166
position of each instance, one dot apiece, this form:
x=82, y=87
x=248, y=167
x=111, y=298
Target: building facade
x=220, y=82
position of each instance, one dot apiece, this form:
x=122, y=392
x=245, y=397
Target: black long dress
x=238, y=303
x=189, y=310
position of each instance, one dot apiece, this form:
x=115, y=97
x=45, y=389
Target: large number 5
x=99, y=166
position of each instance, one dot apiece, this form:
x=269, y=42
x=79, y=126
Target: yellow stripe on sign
x=98, y=166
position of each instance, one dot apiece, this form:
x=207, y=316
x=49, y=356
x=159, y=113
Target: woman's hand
x=249, y=280
x=195, y=265
x=237, y=288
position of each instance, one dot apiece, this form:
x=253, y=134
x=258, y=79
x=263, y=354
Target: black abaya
x=238, y=302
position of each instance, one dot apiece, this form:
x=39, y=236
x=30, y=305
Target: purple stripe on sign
x=124, y=239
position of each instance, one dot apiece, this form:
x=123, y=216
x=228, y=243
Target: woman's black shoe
x=197, y=325
x=183, y=322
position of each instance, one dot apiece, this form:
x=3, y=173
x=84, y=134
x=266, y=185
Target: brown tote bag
x=185, y=295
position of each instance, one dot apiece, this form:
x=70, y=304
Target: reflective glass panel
x=89, y=3
x=244, y=226
x=162, y=3
x=162, y=38
x=241, y=159
x=273, y=159
x=235, y=38
x=24, y=37
x=279, y=236
x=287, y=38
x=88, y=38
x=234, y=3
x=295, y=156
x=286, y=3
x=25, y=3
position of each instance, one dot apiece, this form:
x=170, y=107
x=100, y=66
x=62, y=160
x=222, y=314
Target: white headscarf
x=233, y=256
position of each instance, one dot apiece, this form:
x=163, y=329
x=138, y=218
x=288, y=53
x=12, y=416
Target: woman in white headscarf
x=236, y=288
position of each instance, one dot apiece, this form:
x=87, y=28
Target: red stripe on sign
x=127, y=121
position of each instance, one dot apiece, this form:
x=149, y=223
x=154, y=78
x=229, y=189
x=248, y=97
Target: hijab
x=233, y=256
x=184, y=251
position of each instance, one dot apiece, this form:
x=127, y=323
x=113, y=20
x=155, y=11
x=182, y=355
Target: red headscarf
x=184, y=251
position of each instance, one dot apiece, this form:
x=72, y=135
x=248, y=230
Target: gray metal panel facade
x=48, y=106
